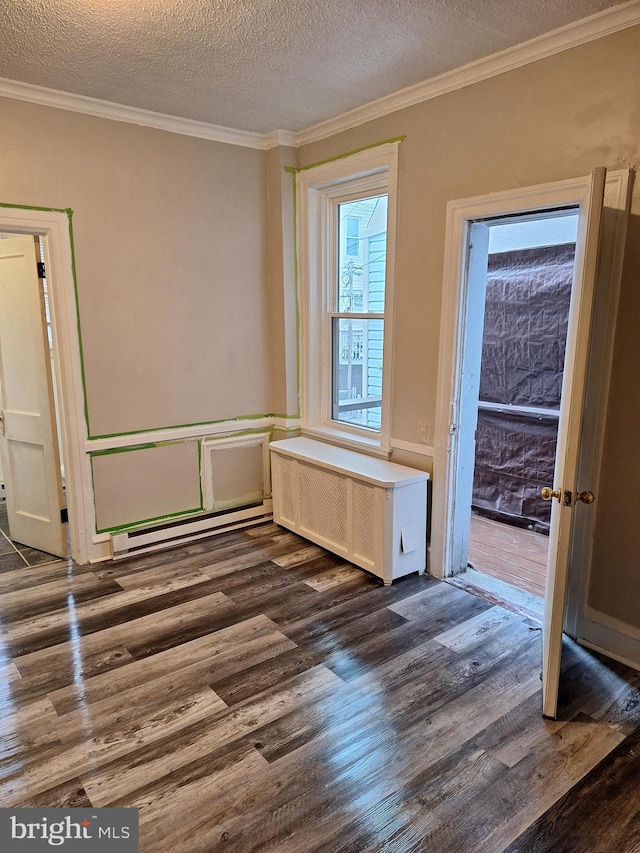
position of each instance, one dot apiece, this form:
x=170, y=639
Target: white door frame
x=460, y=215
x=55, y=227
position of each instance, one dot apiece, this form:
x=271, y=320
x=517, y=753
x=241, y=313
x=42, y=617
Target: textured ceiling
x=260, y=64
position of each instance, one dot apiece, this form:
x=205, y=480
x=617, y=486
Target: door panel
x=569, y=434
x=29, y=447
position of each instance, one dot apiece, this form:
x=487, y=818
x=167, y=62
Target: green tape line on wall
x=345, y=154
x=191, y=425
x=145, y=521
x=296, y=293
x=83, y=378
x=66, y=210
x=207, y=439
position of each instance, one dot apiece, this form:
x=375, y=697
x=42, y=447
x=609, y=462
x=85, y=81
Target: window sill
x=349, y=440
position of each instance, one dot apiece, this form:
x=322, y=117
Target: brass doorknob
x=548, y=494
x=586, y=497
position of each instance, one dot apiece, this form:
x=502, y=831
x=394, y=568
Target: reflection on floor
x=252, y=692
x=13, y=555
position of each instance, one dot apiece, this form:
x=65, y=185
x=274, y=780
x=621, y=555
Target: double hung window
x=347, y=227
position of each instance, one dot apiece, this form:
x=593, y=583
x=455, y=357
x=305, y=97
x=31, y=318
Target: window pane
x=357, y=372
x=353, y=235
x=362, y=255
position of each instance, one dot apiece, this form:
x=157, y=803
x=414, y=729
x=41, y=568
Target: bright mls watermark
x=102, y=830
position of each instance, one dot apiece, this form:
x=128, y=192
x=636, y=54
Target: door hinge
x=64, y=515
x=41, y=270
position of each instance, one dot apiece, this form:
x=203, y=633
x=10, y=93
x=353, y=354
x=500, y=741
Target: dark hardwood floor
x=252, y=693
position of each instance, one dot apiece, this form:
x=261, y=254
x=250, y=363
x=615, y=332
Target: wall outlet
x=424, y=433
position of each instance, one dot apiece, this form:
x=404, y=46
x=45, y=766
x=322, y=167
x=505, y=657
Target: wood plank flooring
x=252, y=692
x=508, y=553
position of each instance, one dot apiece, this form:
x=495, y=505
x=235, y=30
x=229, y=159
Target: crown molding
x=288, y=138
x=571, y=35
x=133, y=115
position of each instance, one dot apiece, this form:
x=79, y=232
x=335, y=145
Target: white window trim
x=318, y=188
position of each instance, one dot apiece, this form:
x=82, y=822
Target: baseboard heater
x=127, y=543
x=369, y=511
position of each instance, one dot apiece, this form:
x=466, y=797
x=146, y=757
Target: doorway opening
x=33, y=516
x=517, y=318
x=601, y=201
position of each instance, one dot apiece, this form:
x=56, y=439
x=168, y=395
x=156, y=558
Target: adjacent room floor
x=252, y=692
x=510, y=554
x=507, y=566
x=14, y=555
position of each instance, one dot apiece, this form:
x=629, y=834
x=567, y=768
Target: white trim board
x=223, y=428
x=571, y=35
x=134, y=115
x=611, y=637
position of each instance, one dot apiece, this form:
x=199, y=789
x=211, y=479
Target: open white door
x=28, y=442
x=563, y=494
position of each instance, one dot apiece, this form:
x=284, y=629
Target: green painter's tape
x=111, y=450
x=148, y=446
x=83, y=378
x=297, y=295
x=31, y=207
x=160, y=518
x=196, y=424
x=347, y=154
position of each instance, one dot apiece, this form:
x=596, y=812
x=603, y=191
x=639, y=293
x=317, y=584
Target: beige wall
x=171, y=256
x=615, y=585
x=170, y=242
x=553, y=119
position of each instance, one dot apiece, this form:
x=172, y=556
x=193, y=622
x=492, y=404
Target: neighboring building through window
x=353, y=235
x=357, y=372
x=347, y=219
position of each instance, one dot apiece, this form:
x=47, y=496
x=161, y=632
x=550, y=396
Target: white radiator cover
x=369, y=511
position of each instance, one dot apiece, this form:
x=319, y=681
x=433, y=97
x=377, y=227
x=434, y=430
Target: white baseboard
x=611, y=637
